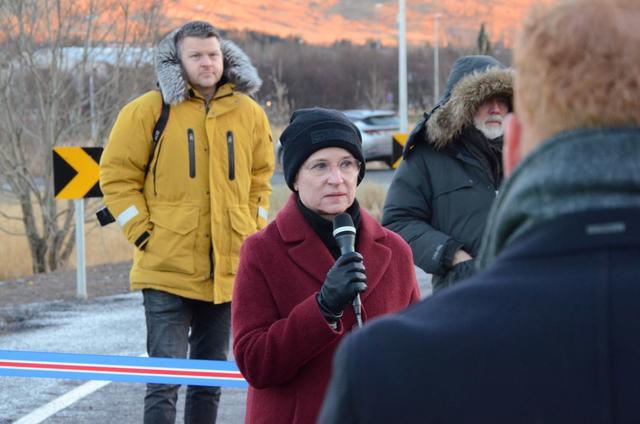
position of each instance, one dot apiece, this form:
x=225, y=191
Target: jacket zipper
x=231, y=156
x=155, y=167
x=192, y=153
x=211, y=262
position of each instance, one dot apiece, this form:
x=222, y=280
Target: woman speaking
x=294, y=290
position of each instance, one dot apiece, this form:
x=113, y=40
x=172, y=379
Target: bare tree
x=484, y=44
x=281, y=106
x=376, y=95
x=66, y=67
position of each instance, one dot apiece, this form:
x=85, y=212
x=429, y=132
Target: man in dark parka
x=441, y=194
x=548, y=330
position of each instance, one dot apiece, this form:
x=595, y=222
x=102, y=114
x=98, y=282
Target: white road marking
x=45, y=411
x=57, y=405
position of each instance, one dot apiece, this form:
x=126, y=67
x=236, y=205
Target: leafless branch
x=45, y=100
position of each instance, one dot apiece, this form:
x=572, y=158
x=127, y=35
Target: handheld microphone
x=345, y=234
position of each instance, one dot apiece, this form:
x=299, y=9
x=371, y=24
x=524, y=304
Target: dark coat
x=550, y=333
x=282, y=343
x=438, y=202
x=441, y=194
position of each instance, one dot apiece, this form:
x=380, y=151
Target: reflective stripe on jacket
x=207, y=188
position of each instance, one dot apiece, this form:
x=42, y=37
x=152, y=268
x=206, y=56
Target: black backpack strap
x=104, y=216
x=161, y=123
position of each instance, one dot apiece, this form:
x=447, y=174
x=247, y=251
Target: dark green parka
x=441, y=194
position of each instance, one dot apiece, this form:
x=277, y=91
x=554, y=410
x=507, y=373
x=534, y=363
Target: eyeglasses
x=347, y=167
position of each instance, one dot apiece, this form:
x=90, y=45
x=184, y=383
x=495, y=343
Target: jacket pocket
x=242, y=226
x=231, y=156
x=171, y=247
x=455, y=184
x=192, y=153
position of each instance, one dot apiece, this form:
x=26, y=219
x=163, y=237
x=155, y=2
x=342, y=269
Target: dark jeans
x=169, y=319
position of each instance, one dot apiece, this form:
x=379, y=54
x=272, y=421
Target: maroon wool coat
x=281, y=342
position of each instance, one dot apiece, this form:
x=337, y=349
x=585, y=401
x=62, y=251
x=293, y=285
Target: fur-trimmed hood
x=238, y=70
x=472, y=80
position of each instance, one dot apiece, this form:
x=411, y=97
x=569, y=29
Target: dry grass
x=108, y=244
x=102, y=245
x=370, y=196
x=276, y=131
x=14, y=249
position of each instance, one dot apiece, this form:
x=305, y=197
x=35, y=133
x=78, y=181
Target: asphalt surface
x=112, y=325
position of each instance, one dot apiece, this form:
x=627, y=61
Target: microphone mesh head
x=342, y=223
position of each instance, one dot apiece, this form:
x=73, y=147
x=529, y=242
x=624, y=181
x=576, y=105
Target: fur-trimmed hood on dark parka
x=238, y=70
x=472, y=80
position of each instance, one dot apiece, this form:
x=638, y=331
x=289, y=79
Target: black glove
x=344, y=281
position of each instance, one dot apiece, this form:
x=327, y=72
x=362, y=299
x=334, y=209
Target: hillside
x=324, y=22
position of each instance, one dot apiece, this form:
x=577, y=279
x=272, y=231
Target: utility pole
x=378, y=9
x=402, y=62
x=436, y=59
x=90, y=55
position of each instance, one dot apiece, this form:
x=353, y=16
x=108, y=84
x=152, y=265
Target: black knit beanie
x=313, y=129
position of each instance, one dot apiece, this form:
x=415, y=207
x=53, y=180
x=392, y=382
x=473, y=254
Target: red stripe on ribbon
x=104, y=368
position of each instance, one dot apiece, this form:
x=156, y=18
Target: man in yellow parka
x=188, y=202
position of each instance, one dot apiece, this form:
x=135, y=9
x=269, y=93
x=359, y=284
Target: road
x=111, y=326
x=72, y=327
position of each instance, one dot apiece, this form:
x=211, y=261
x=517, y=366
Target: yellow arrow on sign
x=88, y=172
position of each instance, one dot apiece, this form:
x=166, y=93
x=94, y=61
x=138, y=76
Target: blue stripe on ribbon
x=134, y=364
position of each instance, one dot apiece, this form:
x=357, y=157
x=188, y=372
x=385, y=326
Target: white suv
x=377, y=128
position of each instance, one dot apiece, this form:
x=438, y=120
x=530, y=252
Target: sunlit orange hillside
x=326, y=21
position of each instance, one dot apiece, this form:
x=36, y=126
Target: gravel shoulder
x=23, y=299
x=102, y=280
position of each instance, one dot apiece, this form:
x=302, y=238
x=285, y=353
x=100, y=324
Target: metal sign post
x=81, y=274
x=402, y=67
x=75, y=176
x=436, y=59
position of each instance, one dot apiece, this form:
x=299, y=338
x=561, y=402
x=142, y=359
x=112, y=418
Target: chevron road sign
x=76, y=175
x=76, y=172
x=399, y=140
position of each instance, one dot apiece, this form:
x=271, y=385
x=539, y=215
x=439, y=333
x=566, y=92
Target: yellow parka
x=207, y=188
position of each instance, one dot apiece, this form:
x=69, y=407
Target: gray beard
x=491, y=132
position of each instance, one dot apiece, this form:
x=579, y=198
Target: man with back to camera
x=549, y=330
x=441, y=194
x=188, y=202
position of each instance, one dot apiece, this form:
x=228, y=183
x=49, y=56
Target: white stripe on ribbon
x=207, y=373
x=83, y=368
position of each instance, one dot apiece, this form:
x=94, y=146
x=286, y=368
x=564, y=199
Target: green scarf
x=571, y=172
